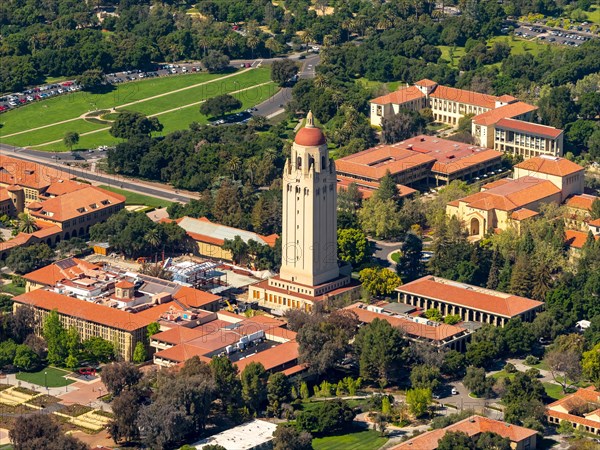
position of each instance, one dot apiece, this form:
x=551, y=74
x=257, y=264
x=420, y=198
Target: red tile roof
x=74, y=204
x=507, y=111
x=310, y=137
x=577, y=399
x=493, y=184
x=124, y=284
x=514, y=195
x=472, y=426
x=463, y=96
x=375, y=162
x=529, y=128
x=67, y=269
x=550, y=165
x=82, y=309
x=468, y=296
x=577, y=239
x=402, y=95
x=29, y=174
x=595, y=223
x=523, y=214
x=581, y=201
x=195, y=298
x=425, y=82
x=62, y=187
x=274, y=357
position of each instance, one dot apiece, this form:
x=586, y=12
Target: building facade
x=471, y=303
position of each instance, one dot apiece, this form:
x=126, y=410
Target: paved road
x=164, y=191
x=462, y=401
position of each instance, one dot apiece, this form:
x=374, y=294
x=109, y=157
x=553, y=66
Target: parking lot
x=573, y=38
x=10, y=101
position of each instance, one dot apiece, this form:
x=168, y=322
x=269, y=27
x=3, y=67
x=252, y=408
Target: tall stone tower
x=309, y=238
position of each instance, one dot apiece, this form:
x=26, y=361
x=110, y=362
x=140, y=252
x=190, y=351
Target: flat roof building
x=254, y=435
x=471, y=303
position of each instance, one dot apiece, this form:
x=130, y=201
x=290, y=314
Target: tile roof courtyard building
x=507, y=203
x=419, y=161
x=581, y=409
x=471, y=303
x=521, y=438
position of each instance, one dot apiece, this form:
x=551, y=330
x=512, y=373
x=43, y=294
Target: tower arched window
x=323, y=162
x=299, y=162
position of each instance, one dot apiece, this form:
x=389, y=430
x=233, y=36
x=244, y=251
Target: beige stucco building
x=309, y=267
x=508, y=202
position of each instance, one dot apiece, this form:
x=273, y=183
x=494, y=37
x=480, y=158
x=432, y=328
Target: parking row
x=17, y=99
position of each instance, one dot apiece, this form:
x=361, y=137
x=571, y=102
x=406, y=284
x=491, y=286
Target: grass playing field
x=54, y=377
x=359, y=440
x=133, y=198
x=71, y=107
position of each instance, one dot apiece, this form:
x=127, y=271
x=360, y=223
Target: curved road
x=269, y=108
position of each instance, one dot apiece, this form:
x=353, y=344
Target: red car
x=23, y=100
x=87, y=371
x=3, y=108
x=67, y=83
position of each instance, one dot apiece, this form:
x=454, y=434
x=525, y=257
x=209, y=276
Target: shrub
x=510, y=368
x=532, y=360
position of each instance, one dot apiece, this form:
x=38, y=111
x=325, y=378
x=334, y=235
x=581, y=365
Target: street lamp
x=46, y=380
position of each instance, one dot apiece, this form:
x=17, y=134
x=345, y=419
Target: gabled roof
x=511, y=196
x=62, y=187
x=282, y=354
x=67, y=269
x=495, y=115
x=77, y=203
x=581, y=201
x=473, y=297
x=595, y=223
x=425, y=82
x=550, y=165
x=195, y=298
x=464, y=96
x=400, y=96
x=523, y=213
x=529, y=127
x=577, y=239
x=29, y=174
x=471, y=426
x=81, y=309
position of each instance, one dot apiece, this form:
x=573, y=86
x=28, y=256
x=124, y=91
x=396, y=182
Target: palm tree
x=252, y=41
x=307, y=37
x=156, y=270
x=153, y=237
x=229, y=41
x=272, y=45
x=234, y=165
x=251, y=168
x=27, y=223
x=204, y=43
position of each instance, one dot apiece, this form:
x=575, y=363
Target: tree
x=41, y=431
x=125, y=408
x=409, y=265
x=70, y=139
x=139, y=353
x=26, y=223
x=8, y=350
x=120, y=375
x=387, y=190
x=91, y=80
x=565, y=366
x=329, y=416
x=418, y=401
x=481, y=354
x=282, y=71
x=490, y=440
x=455, y=440
x=227, y=382
x=98, y=349
x=590, y=364
x=131, y=123
x=278, y=392
x=424, y=376
x=215, y=61
x=378, y=346
x=254, y=386
x=401, y=126
x=433, y=314
x=523, y=398
x=476, y=381
x=25, y=358
x=380, y=218
x=595, y=209
x=152, y=329
x=454, y=364
x=26, y=259
x=287, y=437
x=379, y=281
x=353, y=246
x=55, y=335
x=220, y=105
x=557, y=109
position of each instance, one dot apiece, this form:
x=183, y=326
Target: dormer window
x=105, y=202
x=93, y=206
x=81, y=210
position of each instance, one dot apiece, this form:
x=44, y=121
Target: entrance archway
x=474, y=228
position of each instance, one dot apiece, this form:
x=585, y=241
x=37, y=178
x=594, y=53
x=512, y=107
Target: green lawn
x=53, y=133
x=55, y=377
x=360, y=440
x=395, y=257
x=369, y=84
x=540, y=366
x=517, y=45
x=175, y=120
x=11, y=288
x=133, y=198
x=74, y=105
x=503, y=374
x=593, y=15
x=553, y=391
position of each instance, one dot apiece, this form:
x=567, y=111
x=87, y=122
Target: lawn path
x=82, y=116
x=158, y=113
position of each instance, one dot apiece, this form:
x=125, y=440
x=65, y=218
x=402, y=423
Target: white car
x=184, y=70
x=60, y=91
x=454, y=391
x=173, y=70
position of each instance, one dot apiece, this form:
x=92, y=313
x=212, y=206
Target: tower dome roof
x=310, y=136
